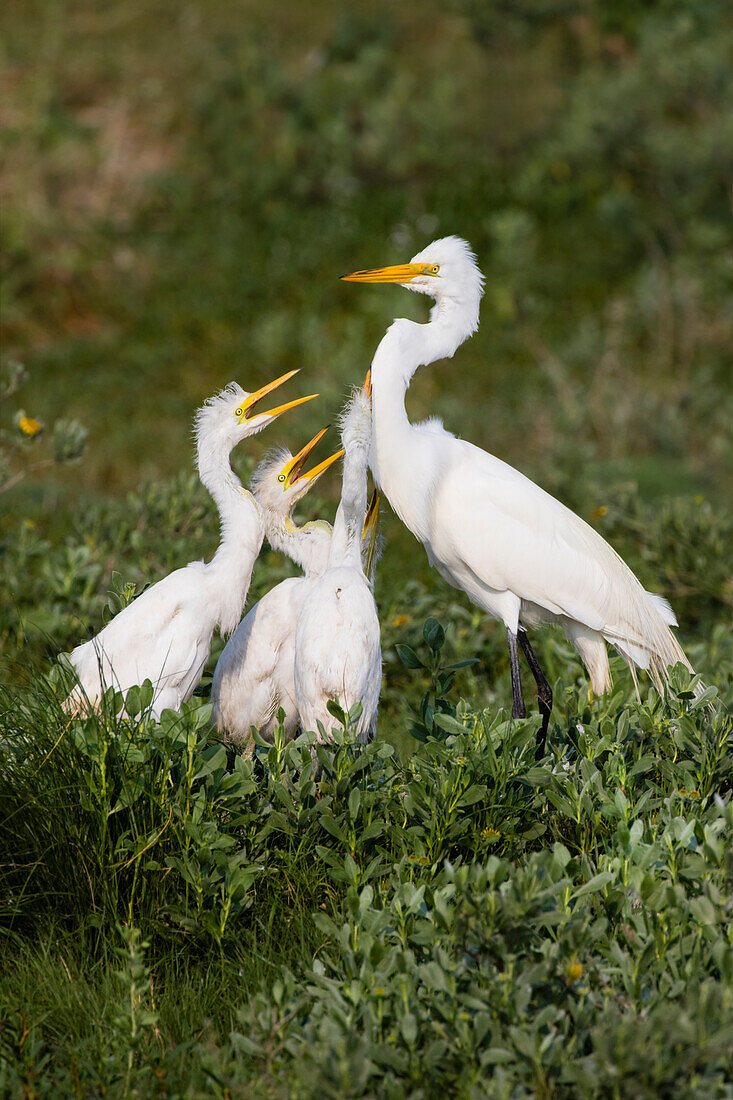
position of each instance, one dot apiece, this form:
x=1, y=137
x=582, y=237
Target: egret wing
x=159, y=637
x=254, y=675
x=516, y=537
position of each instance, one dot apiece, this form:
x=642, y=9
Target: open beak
x=249, y=405
x=370, y=531
x=292, y=470
x=402, y=273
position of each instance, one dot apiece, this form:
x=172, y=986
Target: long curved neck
x=401, y=458
x=349, y=522
x=242, y=531
x=307, y=546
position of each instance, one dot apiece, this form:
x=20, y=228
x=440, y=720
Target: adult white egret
x=518, y=553
x=337, y=648
x=164, y=635
x=254, y=676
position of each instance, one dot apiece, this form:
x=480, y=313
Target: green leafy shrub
x=479, y=921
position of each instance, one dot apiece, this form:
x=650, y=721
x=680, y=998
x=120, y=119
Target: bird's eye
x=281, y=477
x=238, y=412
x=433, y=269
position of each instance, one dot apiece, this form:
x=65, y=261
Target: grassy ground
x=183, y=185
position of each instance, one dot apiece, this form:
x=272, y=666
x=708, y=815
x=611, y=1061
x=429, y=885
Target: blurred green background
x=185, y=181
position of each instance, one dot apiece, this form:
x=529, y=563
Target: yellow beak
x=247, y=408
x=370, y=530
x=367, y=387
x=402, y=273
x=321, y=468
x=291, y=472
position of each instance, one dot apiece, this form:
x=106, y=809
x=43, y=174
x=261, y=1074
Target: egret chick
x=254, y=676
x=337, y=647
x=518, y=553
x=164, y=635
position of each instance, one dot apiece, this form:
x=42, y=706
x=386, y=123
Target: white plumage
x=165, y=634
x=254, y=676
x=519, y=554
x=337, y=646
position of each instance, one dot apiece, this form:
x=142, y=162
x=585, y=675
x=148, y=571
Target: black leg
x=544, y=692
x=518, y=710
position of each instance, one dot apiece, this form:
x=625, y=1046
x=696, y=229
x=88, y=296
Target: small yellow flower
x=491, y=833
x=379, y=991
x=29, y=426
x=575, y=972
x=602, y=510
x=399, y=620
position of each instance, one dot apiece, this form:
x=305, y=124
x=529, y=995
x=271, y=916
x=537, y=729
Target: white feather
x=165, y=634
x=337, y=646
x=519, y=554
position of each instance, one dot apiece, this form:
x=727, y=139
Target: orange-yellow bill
x=321, y=468
x=292, y=471
x=370, y=530
x=367, y=387
x=401, y=273
x=248, y=406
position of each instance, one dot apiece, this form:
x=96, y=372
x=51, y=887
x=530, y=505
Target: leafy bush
x=480, y=922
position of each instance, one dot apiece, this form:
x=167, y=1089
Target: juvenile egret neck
x=254, y=675
x=518, y=553
x=277, y=485
x=165, y=634
x=337, y=646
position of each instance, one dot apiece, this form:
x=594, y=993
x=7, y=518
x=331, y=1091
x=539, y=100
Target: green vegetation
x=435, y=914
x=462, y=920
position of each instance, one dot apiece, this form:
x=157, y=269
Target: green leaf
x=217, y=759
x=324, y=924
x=707, y=696
x=336, y=711
x=472, y=796
x=331, y=826
x=408, y=1027
x=419, y=733
x=132, y=701
x=433, y=634
x=497, y=1056
x=448, y=723
x=593, y=885
x=408, y=656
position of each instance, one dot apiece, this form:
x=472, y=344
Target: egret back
x=254, y=676
x=337, y=651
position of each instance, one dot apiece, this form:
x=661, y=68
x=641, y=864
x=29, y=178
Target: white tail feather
x=664, y=608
